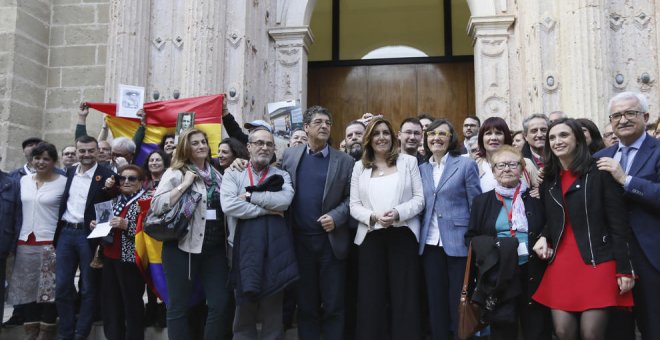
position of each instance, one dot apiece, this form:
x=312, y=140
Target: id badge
x=210, y=215
x=522, y=249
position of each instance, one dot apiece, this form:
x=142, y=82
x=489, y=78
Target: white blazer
x=410, y=200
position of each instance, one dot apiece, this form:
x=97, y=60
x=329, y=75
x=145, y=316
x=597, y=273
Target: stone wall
x=24, y=32
x=77, y=59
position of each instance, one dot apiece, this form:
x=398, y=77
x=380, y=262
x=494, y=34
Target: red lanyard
x=263, y=176
x=509, y=213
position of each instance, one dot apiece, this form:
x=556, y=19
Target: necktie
x=625, y=151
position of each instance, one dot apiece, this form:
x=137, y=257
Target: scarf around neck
x=518, y=217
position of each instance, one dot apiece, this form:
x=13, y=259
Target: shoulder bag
x=469, y=313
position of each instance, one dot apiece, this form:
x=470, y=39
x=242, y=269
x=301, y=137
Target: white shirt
x=41, y=207
x=433, y=237
x=382, y=191
x=75, y=205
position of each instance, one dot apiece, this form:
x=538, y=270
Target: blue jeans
x=210, y=267
x=73, y=249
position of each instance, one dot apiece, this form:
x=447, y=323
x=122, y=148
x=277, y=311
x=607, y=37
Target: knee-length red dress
x=571, y=285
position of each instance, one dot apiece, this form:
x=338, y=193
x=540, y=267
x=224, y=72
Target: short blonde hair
x=509, y=149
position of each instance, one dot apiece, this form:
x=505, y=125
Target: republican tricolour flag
x=161, y=119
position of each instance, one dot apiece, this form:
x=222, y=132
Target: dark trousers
x=268, y=311
x=534, y=319
x=210, y=267
x=122, y=308
x=443, y=275
x=40, y=312
x=72, y=249
x=646, y=293
x=351, y=294
x=388, y=286
x=321, y=283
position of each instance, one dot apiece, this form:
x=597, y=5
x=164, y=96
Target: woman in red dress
x=585, y=239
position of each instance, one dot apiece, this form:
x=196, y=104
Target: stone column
x=291, y=49
x=490, y=38
x=583, y=42
x=128, y=45
x=203, y=48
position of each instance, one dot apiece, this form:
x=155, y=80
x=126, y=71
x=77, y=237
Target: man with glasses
x=69, y=157
x=84, y=188
x=123, y=151
x=609, y=138
x=471, y=126
x=634, y=162
x=410, y=138
x=319, y=215
x=263, y=254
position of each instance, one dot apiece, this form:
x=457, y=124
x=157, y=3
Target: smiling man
x=634, y=162
x=410, y=137
x=535, y=128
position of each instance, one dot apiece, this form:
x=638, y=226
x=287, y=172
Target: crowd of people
x=368, y=241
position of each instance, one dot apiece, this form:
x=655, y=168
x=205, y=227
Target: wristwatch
x=248, y=196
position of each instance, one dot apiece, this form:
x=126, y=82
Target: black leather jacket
x=598, y=215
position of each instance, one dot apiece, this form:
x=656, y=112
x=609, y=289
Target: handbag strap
x=466, y=277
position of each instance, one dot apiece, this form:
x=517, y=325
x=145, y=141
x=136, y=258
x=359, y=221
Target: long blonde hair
x=182, y=156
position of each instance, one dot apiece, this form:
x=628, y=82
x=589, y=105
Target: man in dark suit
x=84, y=188
x=635, y=163
x=319, y=214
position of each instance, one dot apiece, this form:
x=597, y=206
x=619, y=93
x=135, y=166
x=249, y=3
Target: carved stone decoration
x=158, y=42
x=493, y=47
x=234, y=39
x=641, y=20
x=616, y=21
x=288, y=57
x=490, y=36
x=645, y=82
x=233, y=93
x=547, y=23
x=178, y=42
x=550, y=82
x=291, y=46
x=619, y=81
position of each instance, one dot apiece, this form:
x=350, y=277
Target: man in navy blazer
x=635, y=163
x=319, y=213
x=84, y=188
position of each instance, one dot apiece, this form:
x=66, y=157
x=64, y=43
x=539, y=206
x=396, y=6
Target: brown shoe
x=31, y=330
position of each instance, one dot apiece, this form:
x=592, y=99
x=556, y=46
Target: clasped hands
x=385, y=219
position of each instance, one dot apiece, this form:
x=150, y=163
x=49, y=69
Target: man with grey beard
x=353, y=137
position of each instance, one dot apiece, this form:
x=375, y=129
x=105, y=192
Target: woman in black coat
x=490, y=217
x=585, y=239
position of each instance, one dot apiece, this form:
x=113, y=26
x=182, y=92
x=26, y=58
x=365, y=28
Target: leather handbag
x=173, y=224
x=469, y=313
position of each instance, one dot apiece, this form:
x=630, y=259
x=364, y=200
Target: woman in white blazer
x=386, y=199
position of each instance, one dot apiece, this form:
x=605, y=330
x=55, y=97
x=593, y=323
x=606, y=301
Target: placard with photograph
x=104, y=215
x=184, y=121
x=131, y=99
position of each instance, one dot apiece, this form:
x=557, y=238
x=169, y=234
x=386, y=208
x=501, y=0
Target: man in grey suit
x=321, y=177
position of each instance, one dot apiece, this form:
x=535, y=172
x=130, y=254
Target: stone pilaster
x=203, y=48
x=291, y=49
x=583, y=42
x=490, y=38
x=128, y=45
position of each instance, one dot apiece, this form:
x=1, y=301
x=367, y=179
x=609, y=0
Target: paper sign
x=103, y=216
x=131, y=99
x=101, y=230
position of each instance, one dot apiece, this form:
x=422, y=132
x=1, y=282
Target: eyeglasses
x=474, y=150
x=440, y=134
x=261, y=144
x=318, y=122
x=115, y=155
x=608, y=134
x=510, y=165
x=69, y=154
x=128, y=178
x=629, y=114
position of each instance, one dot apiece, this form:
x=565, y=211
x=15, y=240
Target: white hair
x=629, y=95
x=123, y=143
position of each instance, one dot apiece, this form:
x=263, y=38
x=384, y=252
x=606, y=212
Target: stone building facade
x=529, y=56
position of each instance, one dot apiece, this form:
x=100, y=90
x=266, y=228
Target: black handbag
x=173, y=224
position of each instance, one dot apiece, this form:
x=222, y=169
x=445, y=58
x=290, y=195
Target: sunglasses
x=129, y=178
